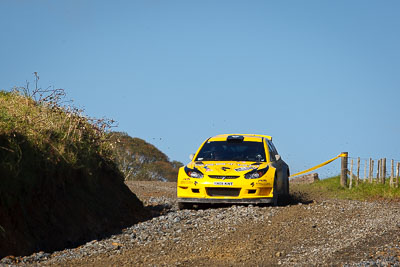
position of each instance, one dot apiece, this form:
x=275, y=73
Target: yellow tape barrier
x=318, y=166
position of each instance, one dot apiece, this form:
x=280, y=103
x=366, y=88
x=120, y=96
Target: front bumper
x=233, y=191
x=227, y=201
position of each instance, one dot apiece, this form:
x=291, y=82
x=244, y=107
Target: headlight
x=194, y=173
x=255, y=174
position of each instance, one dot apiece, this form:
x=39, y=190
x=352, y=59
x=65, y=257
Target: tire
x=275, y=200
x=285, y=199
x=276, y=194
x=287, y=188
x=288, y=182
x=184, y=205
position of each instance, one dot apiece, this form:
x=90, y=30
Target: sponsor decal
x=264, y=184
x=195, y=183
x=241, y=169
x=225, y=168
x=252, y=184
x=219, y=164
x=247, y=165
x=207, y=169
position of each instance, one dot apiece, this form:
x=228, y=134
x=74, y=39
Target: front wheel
x=276, y=194
x=287, y=187
x=285, y=199
x=275, y=200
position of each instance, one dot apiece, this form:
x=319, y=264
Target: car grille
x=224, y=176
x=222, y=192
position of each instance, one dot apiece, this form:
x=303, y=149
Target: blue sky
x=321, y=77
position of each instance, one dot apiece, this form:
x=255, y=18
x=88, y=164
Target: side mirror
x=191, y=156
x=277, y=157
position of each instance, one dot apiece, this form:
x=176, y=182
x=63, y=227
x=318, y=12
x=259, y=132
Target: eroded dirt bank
x=53, y=210
x=308, y=231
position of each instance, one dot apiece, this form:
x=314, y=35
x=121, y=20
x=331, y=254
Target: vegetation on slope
x=59, y=185
x=61, y=132
x=139, y=160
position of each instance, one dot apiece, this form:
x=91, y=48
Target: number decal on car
x=223, y=183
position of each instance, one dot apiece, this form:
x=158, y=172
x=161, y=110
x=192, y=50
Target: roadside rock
x=305, y=179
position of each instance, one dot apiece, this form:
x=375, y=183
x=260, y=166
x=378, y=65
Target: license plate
x=223, y=183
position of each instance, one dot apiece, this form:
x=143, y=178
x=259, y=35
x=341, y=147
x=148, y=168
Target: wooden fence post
x=378, y=171
x=383, y=171
x=371, y=171
x=351, y=174
x=397, y=174
x=358, y=170
x=343, y=173
x=365, y=171
x=391, y=172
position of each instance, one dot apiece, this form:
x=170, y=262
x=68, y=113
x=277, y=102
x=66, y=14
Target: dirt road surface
x=307, y=231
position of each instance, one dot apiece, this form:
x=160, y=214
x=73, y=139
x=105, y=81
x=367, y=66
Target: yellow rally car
x=234, y=168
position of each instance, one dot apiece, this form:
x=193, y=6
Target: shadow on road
x=293, y=199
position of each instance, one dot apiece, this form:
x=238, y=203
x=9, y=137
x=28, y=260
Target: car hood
x=226, y=167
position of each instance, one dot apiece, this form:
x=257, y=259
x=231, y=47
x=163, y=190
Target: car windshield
x=232, y=151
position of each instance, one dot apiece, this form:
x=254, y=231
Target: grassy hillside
x=139, y=160
x=59, y=185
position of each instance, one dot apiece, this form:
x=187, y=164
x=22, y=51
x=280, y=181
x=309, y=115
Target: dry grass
x=330, y=188
x=50, y=126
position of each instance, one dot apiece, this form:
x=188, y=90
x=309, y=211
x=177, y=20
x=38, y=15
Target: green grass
x=331, y=188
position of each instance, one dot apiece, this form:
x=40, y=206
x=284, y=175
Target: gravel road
x=306, y=232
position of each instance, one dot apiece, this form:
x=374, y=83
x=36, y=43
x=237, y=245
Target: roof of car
x=247, y=137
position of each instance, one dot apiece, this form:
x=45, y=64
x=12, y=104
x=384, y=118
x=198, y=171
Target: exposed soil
x=62, y=206
x=307, y=230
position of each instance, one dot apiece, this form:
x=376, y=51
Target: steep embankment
x=58, y=183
